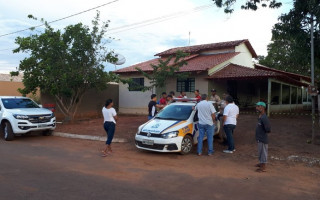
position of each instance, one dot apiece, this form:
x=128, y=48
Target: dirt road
x=35, y=167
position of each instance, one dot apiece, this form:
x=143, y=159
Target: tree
x=249, y=4
x=290, y=46
x=164, y=69
x=65, y=64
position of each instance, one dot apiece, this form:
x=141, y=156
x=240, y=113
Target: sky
x=162, y=25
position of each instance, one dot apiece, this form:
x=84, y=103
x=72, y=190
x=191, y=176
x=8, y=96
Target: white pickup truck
x=21, y=115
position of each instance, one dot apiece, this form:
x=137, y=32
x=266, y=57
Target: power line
x=60, y=18
x=151, y=21
x=161, y=18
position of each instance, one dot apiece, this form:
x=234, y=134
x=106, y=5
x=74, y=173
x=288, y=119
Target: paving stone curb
x=87, y=137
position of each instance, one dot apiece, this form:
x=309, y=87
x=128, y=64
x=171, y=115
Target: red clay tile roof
x=293, y=75
x=238, y=72
x=241, y=72
x=213, y=46
x=195, y=63
x=205, y=62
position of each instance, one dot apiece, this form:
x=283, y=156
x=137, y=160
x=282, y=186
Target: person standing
x=169, y=99
x=163, y=100
x=110, y=117
x=152, y=106
x=197, y=95
x=215, y=98
x=230, y=115
x=182, y=95
x=262, y=130
x=172, y=94
x=206, y=115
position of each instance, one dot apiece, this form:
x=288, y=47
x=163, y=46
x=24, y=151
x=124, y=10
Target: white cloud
x=140, y=44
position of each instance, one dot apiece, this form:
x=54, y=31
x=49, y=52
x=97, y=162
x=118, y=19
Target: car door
x=195, y=133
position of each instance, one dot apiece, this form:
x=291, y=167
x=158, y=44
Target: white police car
x=173, y=129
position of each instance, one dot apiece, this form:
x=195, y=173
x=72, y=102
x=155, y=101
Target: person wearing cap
x=230, y=115
x=262, y=130
x=214, y=97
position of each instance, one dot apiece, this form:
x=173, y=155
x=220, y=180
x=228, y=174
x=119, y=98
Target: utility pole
x=313, y=101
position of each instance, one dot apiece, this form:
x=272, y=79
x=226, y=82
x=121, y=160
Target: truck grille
x=37, y=119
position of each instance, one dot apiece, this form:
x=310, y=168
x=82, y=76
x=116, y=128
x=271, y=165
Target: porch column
x=269, y=97
x=280, y=96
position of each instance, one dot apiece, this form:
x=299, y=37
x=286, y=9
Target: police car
x=173, y=129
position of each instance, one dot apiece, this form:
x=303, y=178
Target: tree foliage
x=290, y=47
x=167, y=67
x=248, y=5
x=65, y=64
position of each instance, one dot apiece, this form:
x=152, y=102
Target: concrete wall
x=136, y=102
x=8, y=88
x=133, y=102
x=244, y=58
x=91, y=104
x=201, y=83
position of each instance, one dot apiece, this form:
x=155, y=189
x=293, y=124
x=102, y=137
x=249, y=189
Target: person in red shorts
x=197, y=93
x=163, y=100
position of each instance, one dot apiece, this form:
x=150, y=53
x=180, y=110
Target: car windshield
x=12, y=103
x=175, y=112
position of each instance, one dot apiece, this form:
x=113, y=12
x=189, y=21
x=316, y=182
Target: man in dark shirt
x=152, y=106
x=262, y=130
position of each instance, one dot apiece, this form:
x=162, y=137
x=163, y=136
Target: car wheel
x=186, y=144
x=8, y=132
x=47, y=133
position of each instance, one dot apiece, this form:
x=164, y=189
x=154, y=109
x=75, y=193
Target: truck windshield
x=175, y=112
x=12, y=103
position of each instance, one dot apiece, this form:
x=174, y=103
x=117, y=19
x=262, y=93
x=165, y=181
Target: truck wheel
x=8, y=132
x=47, y=133
x=186, y=145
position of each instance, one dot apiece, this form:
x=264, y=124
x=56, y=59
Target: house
x=227, y=67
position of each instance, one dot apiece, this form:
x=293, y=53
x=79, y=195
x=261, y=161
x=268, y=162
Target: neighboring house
x=228, y=67
x=9, y=85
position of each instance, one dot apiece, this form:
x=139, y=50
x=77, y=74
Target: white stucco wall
x=201, y=83
x=244, y=58
x=133, y=102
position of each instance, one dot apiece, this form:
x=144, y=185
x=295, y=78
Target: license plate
x=42, y=125
x=147, y=142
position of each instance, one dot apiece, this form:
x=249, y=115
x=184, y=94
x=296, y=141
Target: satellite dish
x=121, y=59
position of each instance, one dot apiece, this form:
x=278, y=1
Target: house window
x=186, y=85
x=137, y=84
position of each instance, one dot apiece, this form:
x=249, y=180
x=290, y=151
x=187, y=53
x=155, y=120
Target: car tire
x=186, y=145
x=7, y=131
x=47, y=133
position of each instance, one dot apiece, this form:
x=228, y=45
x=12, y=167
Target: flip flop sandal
x=104, y=154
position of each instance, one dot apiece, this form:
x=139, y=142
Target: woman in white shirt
x=110, y=118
